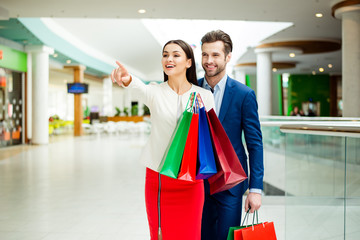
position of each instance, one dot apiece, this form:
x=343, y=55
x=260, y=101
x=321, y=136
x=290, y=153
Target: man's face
x=213, y=58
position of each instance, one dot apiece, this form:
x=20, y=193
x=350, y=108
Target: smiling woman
x=171, y=204
x=177, y=53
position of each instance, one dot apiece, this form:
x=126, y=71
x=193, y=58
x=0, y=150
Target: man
x=236, y=108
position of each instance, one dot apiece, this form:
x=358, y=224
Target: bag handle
x=193, y=94
x=247, y=218
x=202, y=102
x=197, y=104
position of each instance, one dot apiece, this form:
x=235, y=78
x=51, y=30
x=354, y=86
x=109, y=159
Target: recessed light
x=330, y=65
x=141, y=11
x=55, y=55
x=319, y=15
x=68, y=61
x=292, y=55
x=321, y=69
x=274, y=69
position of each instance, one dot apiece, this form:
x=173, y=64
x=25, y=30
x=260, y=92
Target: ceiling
x=113, y=27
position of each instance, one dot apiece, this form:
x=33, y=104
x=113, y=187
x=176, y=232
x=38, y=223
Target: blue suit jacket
x=239, y=114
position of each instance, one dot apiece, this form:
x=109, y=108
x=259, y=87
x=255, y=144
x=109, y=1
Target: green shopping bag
x=171, y=161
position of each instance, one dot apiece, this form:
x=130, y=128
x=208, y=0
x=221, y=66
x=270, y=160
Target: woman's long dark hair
x=191, y=71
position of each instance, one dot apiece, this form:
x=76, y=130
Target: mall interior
x=70, y=139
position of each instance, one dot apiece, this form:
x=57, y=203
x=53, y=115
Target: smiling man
x=237, y=111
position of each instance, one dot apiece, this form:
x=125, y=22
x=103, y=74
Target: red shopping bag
x=262, y=231
x=258, y=231
x=230, y=172
x=188, y=164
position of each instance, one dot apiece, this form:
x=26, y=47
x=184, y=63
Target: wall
x=13, y=59
x=61, y=103
x=304, y=87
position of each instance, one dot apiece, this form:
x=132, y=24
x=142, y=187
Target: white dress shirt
x=218, y=92
x=165, y=108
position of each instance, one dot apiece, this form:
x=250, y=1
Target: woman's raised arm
x=120, y=75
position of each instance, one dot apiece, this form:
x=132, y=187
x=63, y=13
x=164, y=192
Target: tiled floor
x=85, y=188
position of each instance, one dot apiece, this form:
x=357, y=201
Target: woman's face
x=174, y=60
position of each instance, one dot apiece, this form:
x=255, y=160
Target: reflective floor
x=84, y=188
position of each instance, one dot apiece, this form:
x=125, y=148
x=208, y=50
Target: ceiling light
x=141, y=11
x=55, y=55
x=68, y=61
x=321, y=69
x=274, y=69
x=330, y=65
x=313, y=72
x=319, y=15
x=292, y=55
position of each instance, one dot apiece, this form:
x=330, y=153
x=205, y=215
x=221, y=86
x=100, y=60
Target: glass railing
x=274, y=146
x=321, y=179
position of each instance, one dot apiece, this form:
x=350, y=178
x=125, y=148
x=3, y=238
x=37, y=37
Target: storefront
x=13, y=65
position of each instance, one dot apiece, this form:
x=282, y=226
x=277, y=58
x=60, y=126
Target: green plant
x=134, y=110
x=118, y=112
x=126, y=109
x=146, y=110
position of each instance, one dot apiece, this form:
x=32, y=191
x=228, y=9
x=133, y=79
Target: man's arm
x=253, y=138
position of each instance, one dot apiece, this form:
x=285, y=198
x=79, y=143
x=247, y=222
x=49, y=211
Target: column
x=240, y=74
x=39, y=94
x=78, y=109
x=263, y=81
x=107, y=97
x=350, y=16
x=28, y=99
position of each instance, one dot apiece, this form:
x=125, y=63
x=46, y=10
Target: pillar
x=39, y=93
x=263, y=81
x=349, y=13
x=107, y=97
x=78, y=110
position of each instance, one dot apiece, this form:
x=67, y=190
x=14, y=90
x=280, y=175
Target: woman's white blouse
x=165, y=108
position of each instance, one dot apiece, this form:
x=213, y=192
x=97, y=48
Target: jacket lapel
x=200, y=82
x=226, y=99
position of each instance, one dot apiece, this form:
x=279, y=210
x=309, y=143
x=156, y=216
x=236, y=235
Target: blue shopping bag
x=206, y=159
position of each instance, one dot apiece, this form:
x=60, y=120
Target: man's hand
x=253, y=200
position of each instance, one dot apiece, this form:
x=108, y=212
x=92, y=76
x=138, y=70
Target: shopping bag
x=262, y=231
x=256, y=231
x=189, y=159
x=232, y=230
x=170, y=163
x=206, y=158
x=230, y=172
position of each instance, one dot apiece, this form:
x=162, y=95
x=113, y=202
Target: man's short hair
x=218, y=35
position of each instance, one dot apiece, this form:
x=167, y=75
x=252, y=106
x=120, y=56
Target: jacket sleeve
x=141, y=90
x=253, y=139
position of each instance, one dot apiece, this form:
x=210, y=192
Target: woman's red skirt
x=180, y=207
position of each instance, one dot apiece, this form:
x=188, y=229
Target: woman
x=174, y=207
